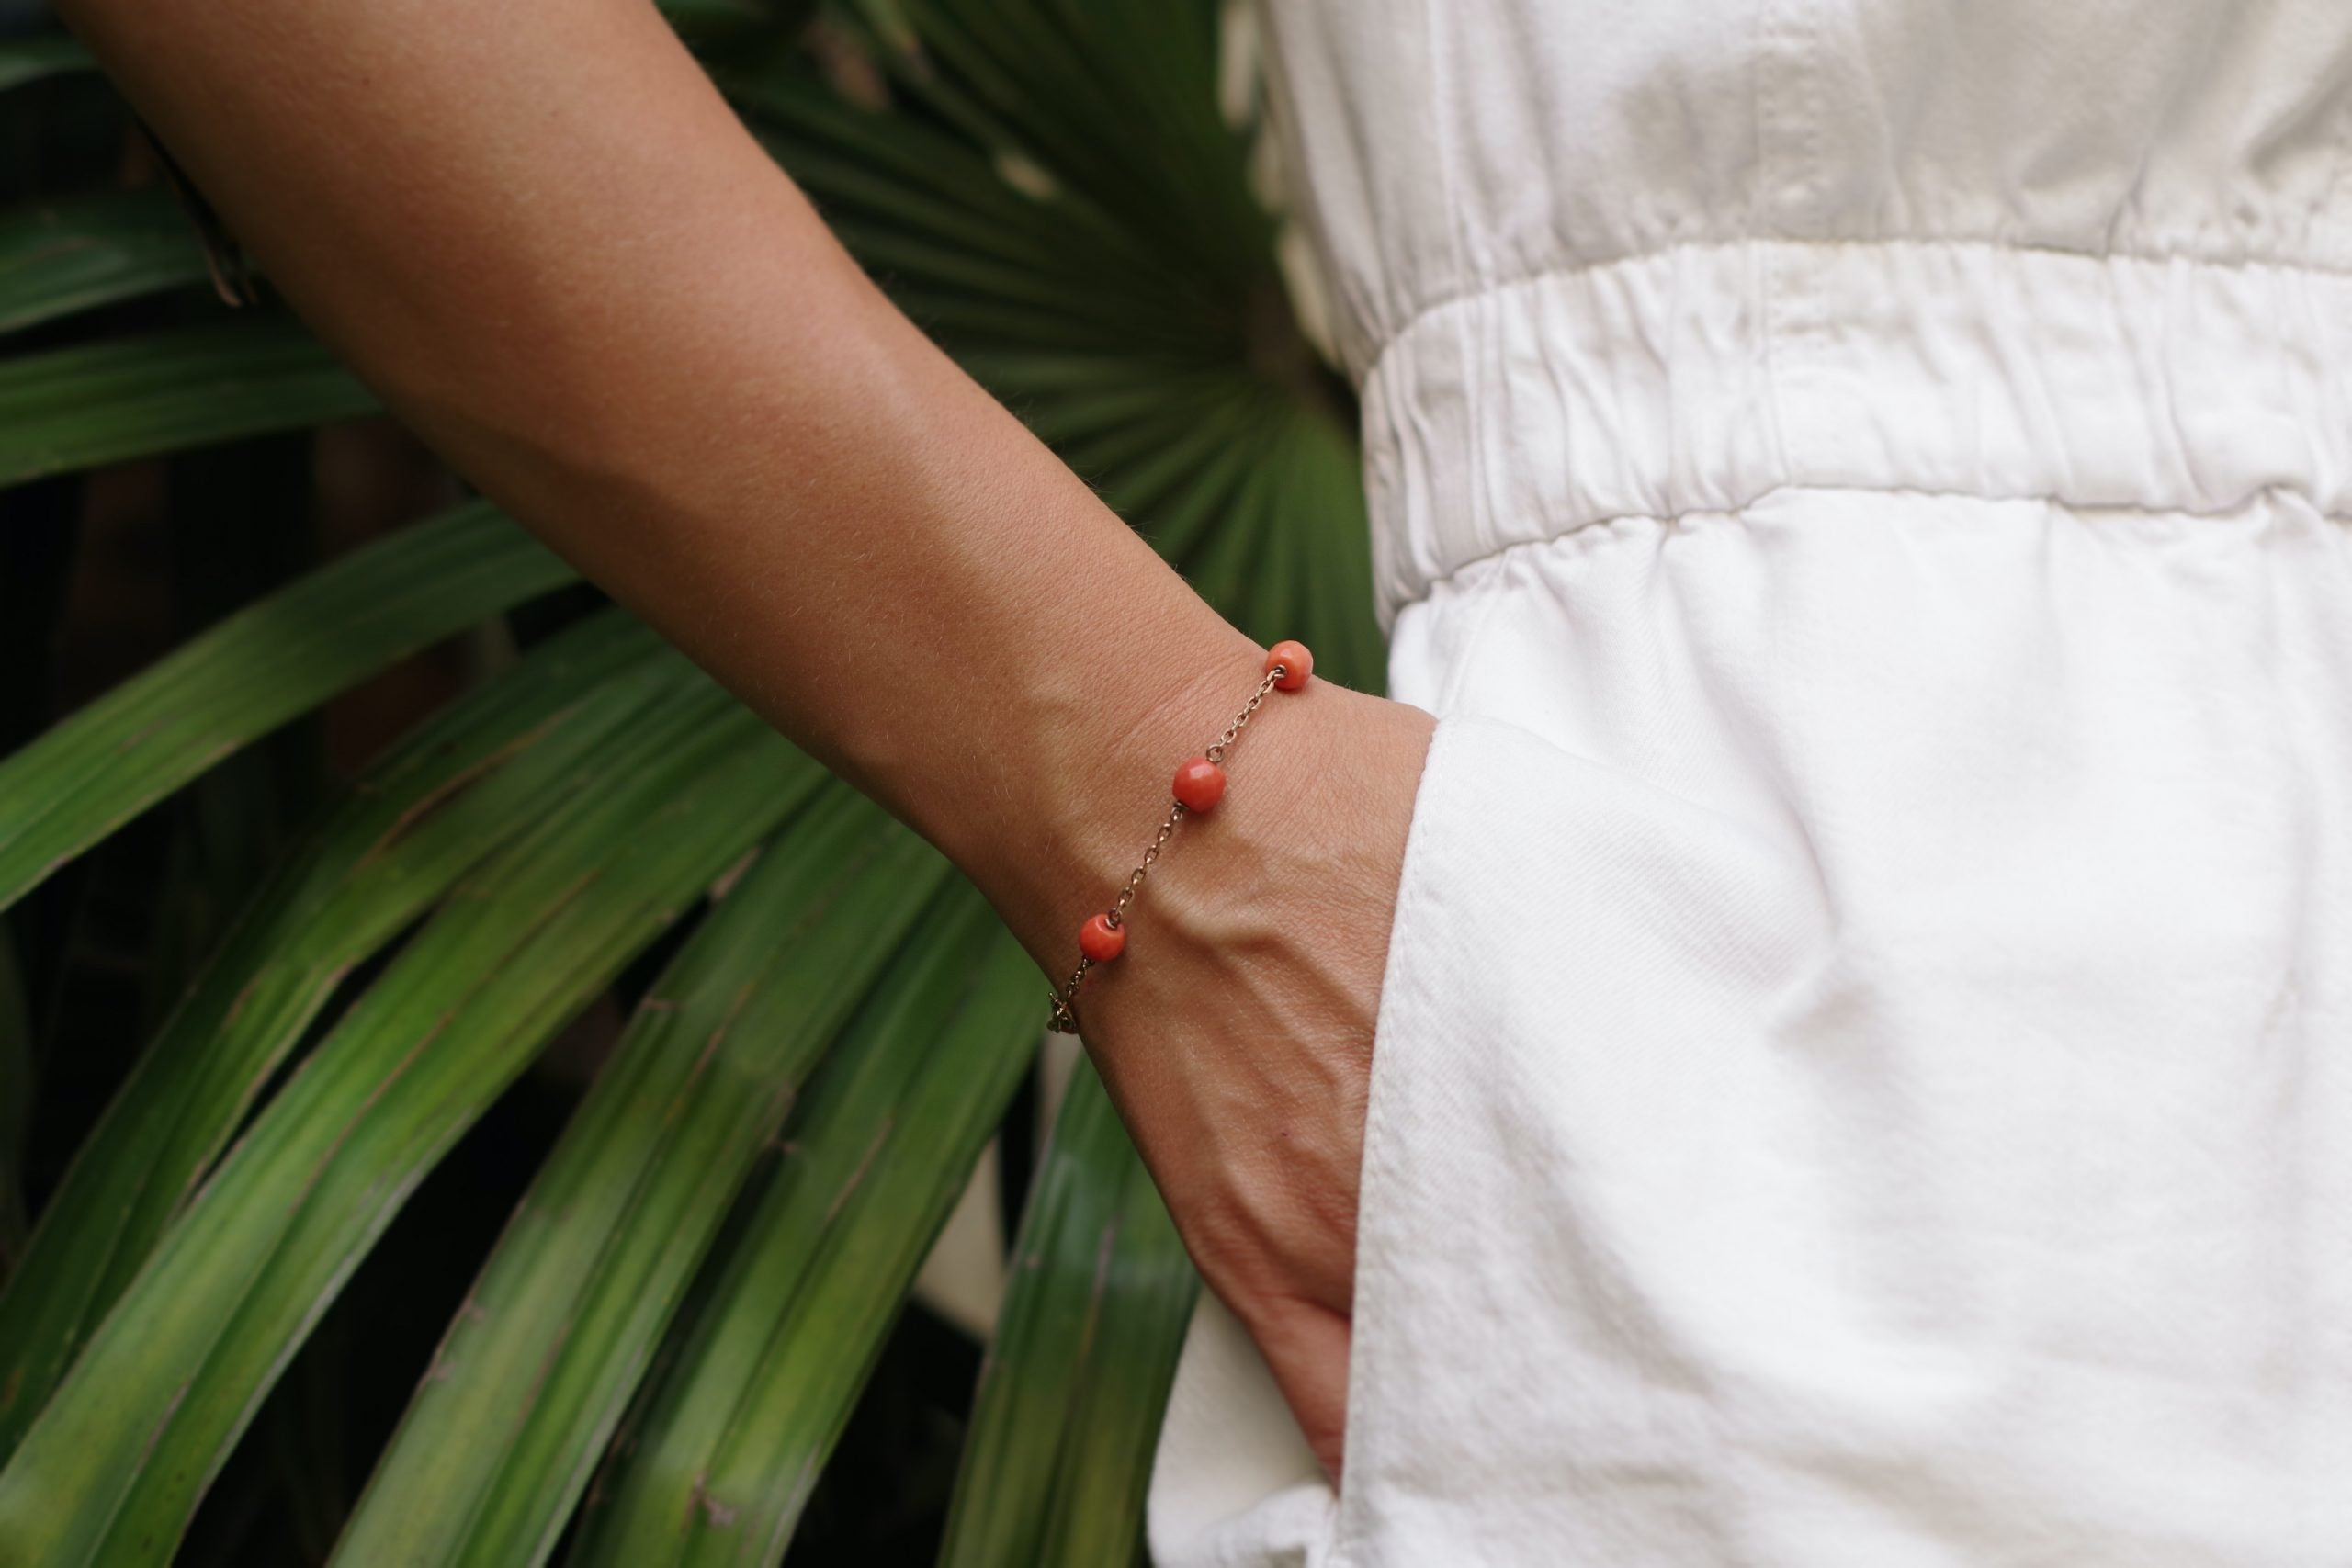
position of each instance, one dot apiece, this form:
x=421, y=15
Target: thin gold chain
x=1065, y=1000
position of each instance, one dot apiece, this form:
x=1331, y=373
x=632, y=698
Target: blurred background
x=467, y=1093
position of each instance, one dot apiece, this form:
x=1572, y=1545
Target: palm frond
x=26, y=60
x=18, y=1083
x=58, y=258
x=498, y=1446
x=722, y=1456
x=167, y=1383
x=442, y=803
x=1070, y=1407
x=252, y=672
x=140, y=397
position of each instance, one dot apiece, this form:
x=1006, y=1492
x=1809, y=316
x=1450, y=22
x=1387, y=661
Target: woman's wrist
x=1051, y=822
x=1315, y=766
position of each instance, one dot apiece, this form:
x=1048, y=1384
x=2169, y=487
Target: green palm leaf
x=1070, y=1407
x=533, y=1376
x=61, y=256
x=445, y=800
x=113, y=1465
x=719, y=1467
x=30, y=58
x=76, y=408
x=17, y=1084
x=252, y=674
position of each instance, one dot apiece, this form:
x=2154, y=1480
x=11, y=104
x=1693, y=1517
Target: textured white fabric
x=1864, y=1071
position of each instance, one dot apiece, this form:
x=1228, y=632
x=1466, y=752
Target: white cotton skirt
x=1864, y=1070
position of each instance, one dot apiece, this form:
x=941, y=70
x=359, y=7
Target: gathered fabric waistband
x=1701, y=377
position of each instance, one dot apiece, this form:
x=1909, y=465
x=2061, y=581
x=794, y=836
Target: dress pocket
x=1411, y=994
x=1580, y=968
x=1573, y=946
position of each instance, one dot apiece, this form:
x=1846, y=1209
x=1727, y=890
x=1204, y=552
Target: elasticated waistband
x=1700, y=379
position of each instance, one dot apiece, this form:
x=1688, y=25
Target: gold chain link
x=1065, y=1000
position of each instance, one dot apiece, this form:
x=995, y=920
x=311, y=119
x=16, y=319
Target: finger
x=1305, y=1346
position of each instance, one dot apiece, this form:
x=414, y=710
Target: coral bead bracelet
x=1198, y=787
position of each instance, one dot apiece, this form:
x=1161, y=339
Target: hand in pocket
x=1236, y=1034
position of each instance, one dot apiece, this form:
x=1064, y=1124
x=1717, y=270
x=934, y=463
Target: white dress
x=1864, y=1073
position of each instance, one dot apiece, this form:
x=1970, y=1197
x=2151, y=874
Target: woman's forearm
x=539, y=233
x=536, y=230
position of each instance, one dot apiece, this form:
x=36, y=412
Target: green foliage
x=30, y=58
x=1070, y=1408
x=440, y=805
x=104, y=403
x=664, y=1347
x=57, y=258
x=731, y=1440
x=260, y=668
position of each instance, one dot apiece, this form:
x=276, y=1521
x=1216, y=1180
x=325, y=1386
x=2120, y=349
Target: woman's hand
x=1234, y=1032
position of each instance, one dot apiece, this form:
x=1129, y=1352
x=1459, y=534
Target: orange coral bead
x=1297, y=662
x=1200, y=783
x=1102, y=940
